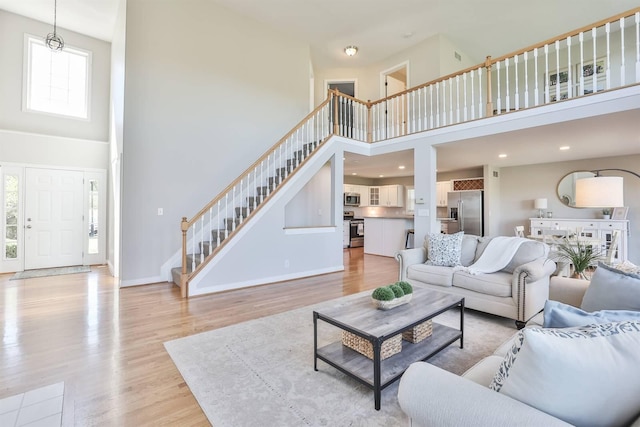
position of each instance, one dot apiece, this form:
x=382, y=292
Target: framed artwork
x=620, y=213
x=589, y=69
x=558, y=79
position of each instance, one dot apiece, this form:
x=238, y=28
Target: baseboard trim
x=140, y=282
x=262, y=281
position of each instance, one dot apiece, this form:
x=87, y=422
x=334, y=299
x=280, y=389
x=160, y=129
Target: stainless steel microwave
x=351, y=199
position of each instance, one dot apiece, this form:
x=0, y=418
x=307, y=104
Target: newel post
x=184, y=226
x=487, y=65
x=369, y=122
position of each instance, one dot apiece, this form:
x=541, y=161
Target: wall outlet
x=286, y=263
x=160, y=211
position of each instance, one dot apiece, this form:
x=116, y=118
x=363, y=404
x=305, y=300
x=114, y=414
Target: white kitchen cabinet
x=387, y=195
x=385, y=236
x=597, y=228
x=442, y=189
x=363, y=190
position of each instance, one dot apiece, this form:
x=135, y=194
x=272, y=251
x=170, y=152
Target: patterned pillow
x=585, y=376
x=444, y=249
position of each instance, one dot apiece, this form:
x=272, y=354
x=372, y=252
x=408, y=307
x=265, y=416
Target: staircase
x=251, y=203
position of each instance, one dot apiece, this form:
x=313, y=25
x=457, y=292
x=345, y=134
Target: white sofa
x=431, y=396
x=518, y=291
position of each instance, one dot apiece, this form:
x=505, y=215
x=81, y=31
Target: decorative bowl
x=388, y=305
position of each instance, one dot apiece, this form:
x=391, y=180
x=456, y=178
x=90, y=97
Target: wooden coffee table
x=360, y=317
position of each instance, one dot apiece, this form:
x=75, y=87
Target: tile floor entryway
x=41, y=407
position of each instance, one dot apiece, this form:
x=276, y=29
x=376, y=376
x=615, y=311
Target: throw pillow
x=612, y=289
x=584, y=376
x=628, y=267
x=444, y=249
x=559, y=315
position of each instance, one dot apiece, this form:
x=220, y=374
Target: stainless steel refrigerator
x=467, y=208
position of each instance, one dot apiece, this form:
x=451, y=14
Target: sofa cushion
x=431, y=274
x=527, y=252
x=482, y=245
x=483, y=372
x=497, y=284
x=559, y=315
x=611, y=289
x=585, y=376
x=468, y=253
x=444, y=249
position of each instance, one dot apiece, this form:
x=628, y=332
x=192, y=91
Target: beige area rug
x=260, y=373
x=43, y=272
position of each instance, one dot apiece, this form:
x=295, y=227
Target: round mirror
x=567, y=187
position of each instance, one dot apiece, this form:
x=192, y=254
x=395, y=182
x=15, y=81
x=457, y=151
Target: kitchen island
x=386, y=235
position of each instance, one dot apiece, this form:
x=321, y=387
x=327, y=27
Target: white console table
x=594, y=228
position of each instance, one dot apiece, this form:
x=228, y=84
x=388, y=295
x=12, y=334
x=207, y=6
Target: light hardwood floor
x=106, y=343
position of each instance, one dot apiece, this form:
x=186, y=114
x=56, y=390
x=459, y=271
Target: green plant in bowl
x=383, y=293
x=397, y=291
x=406, y=287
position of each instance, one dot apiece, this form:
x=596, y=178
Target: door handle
x=28, y=226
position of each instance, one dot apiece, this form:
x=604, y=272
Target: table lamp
x=540, y=204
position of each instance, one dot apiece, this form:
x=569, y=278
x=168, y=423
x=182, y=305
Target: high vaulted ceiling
x=381, y=28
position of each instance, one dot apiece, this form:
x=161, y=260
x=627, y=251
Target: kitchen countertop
x=390, y=217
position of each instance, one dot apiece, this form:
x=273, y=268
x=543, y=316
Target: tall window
x=56, y=82
x=11, y=216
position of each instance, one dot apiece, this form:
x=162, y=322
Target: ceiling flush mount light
x=351, y=50
x=53, y=40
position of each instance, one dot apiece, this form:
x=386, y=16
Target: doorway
x=393, y=81
x=53, y=218
x=345, y=108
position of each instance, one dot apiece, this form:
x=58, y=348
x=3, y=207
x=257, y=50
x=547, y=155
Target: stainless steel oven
x=351, y=199
x=356, y=233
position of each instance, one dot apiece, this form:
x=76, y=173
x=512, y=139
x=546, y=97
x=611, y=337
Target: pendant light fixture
x=53, y=40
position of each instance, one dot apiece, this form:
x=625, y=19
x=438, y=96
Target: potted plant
x=579, y=255
x=606, y=213
x=387, y=297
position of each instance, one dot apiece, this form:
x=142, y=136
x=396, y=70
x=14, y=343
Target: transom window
x=56, y=82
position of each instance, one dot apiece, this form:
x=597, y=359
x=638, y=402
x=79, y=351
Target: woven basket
x=390, y=347
x=418, y=332
x=387, y=305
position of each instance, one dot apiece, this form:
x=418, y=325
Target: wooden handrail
x=429, y=83
x=568, y=34
x=202, y=211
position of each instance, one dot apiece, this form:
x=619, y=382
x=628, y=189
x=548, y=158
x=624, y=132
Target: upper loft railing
x=598, y=57
x=594, y=58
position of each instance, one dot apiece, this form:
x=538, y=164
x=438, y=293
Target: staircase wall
x=265, y=251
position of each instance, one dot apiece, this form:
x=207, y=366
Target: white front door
x=53, y=218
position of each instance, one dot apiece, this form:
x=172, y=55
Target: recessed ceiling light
x=381, y=176
x=401, y=167
x=565, y=147
x=353, y=173
x=502, y=156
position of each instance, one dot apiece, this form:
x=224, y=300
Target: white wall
x=207, y=91
x=311, y=207
x=518, y=190
x=12, y=30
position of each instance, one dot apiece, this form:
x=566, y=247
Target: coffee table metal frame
x=387, y=371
